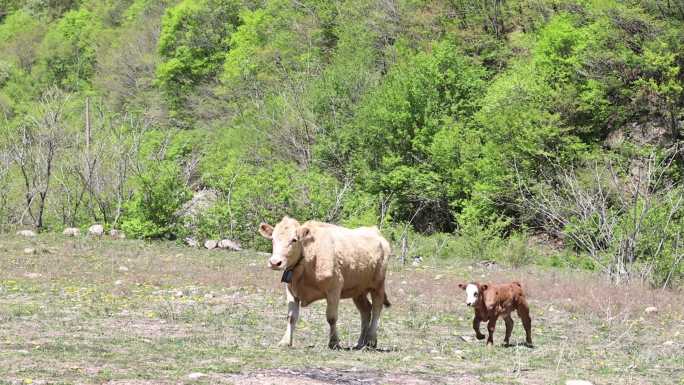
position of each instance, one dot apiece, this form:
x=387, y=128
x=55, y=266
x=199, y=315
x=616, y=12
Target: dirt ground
x=79, y=311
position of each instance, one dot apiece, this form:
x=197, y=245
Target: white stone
x=97, y=230
x=668, y=343
x=210, y=244
x=29, y=250
x=191, y=242
x=26, y=233
x=118, y=282
x=229, y=245
x=651, y=309
x=123, y=268
x=196, y=376
x=71, y=232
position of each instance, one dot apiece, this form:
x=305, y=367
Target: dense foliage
x=450, y=116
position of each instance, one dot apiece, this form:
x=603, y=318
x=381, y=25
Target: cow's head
x=287, y=237
x=473, y=292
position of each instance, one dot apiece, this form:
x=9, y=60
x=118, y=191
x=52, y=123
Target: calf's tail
x=386, y=301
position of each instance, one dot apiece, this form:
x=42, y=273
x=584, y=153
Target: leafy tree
x=192, y=45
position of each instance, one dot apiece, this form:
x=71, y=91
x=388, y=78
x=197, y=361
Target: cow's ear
x=484, y=287
x=266, y=230
x=302, y=233
x=462, y=286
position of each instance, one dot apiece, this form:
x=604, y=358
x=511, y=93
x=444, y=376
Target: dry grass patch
x=136, y=312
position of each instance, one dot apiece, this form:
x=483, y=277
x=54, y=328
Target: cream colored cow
x=324, y=261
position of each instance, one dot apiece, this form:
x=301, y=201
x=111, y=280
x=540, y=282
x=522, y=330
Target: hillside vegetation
x=493, y=120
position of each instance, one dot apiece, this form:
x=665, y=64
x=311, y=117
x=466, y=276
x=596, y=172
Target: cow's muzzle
x=276, y=263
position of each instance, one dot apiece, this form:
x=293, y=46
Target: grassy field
x=130, y=312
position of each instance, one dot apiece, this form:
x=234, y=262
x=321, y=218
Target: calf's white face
x=286, y=238
x=472, y=293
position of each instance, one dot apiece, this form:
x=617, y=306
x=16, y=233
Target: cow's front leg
x=476, y=327
x=333, y=300
x=292, y=317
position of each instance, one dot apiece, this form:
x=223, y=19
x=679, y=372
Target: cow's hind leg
x=333, y=300
x=292, y=317
x=491, y=326
x=509, y=328
x=524, y=314
x=364, y=307
x=378, y=298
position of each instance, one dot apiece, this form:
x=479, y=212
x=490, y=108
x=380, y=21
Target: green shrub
x=152, y=211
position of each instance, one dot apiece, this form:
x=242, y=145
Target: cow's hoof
x=480, y=336
x=359, y=346
x=334, y=345
x=372, y=343
x=284, y=343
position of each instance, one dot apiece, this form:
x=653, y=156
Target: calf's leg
x=333, y=300
x=524, y=314
x=490, y=328
x=509, y=328
x=378, y=298
x=364, y=307
x=476, y=327
x=292, y=317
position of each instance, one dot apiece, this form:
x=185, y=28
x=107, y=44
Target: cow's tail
x=386, y=301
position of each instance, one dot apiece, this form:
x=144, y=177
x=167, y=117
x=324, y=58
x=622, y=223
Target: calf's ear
x=484, y=287
x=266, y=230
x=462, y=286
x=302, y=233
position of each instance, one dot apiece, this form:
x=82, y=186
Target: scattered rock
x=438, y=277
x=71, y=232
x=26, y=233
x=29, y=250
x=118, y=282
x=417, y=260
x=191, y=242
x=577, y=382
x=209, y=296
x=179, y=293
x=210, y=244
x=96, y=230
x=191, y=212
x=33, y=275
x=466, y=338
x=668, y=343
x=196, y=376
x=651, y=309
x=123, y=268
x=117, y=234
x=229, y=245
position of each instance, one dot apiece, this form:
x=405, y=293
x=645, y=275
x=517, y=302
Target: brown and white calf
x=493, y=301
x=324, y=261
